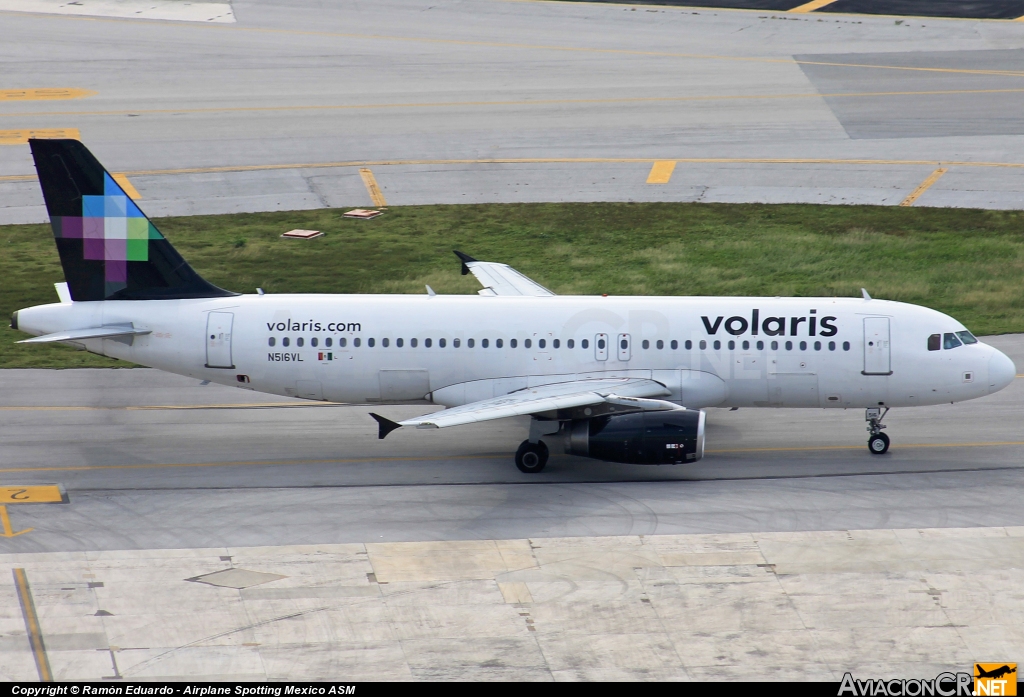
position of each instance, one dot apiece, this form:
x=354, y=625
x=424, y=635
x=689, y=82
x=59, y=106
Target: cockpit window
x=934, y=342
x=967, y=337
x=949, y=341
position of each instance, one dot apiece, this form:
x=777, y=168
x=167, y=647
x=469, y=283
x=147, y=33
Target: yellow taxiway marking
x=812, y=6
x=371, y=187
x=46, y=493
x=35, y=633
x=38, y=95
x=507, y=102
x=549, y=160
x=360, y=460
x=5, y=522
x=20, y=136
x=661, y=172
x=126, y=186
x=924, y=186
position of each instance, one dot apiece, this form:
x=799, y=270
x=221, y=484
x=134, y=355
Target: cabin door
x=218, y=340
x=876, y=346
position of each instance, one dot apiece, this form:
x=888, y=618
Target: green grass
x=968, y=263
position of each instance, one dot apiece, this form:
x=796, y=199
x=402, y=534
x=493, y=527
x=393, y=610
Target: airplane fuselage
x=722, y=351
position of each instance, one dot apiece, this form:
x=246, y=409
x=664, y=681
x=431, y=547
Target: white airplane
x=621, y=379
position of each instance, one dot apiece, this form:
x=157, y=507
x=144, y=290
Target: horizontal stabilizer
x=107, y=332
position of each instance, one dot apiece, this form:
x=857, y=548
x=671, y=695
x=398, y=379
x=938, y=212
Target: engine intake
x=641, y=438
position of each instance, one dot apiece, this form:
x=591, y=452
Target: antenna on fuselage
x=864, y=292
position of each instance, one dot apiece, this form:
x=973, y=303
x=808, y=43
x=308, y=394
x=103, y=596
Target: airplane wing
x=634, y=394
x=106, y=332
x=500, y=279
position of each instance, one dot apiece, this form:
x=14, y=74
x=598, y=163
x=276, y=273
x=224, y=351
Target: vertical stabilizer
x=108, y=247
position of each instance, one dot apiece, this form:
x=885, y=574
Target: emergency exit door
x=876, y=346
x=218, y=340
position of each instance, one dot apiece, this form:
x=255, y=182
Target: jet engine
x=641, y=438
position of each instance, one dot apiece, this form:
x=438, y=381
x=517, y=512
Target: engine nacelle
x=641, y=438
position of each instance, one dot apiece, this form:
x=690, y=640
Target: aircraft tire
x=878, y=444
x=531, y=457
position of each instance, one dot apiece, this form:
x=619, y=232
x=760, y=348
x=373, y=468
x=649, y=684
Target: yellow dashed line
x=812, y=6
x=36, y=95
x=126, y=186
x=371, y=187
x=925, y=185
x=661, y=172
x=20, y=136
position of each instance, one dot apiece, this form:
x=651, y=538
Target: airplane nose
x=1001, y=371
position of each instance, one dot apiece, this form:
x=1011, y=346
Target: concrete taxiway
x=493, y=100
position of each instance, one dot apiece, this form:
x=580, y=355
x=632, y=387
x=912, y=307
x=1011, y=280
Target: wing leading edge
x=632, y=394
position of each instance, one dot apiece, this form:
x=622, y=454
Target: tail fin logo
x=113, y=230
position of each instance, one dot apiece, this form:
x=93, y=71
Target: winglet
x=386, y=426
x=465, y=259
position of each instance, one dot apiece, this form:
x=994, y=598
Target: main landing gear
x=878, y=442
x=531, y=457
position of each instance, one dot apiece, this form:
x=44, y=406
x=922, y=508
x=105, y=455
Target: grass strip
x=967, y=263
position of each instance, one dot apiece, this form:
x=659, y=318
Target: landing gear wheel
x=531, y=457
x=878, y=444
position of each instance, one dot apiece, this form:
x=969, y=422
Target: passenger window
x=428, y=342
x=934, y=342
x=760, y=346
x=789, y=345
x=775, y=346
x=600, y=343
x=746, y=345
x=718, y=344
x=442, y=343
x=370, y=342
x=456, y=342
x=528, y=343
x=688, y=345
x=831, y=346
x=342, y=341
x=484, y=343
x=846, y=345
x=512, y=343
x=498, y=343
x=556, y=343
x=356, y=342
x=469, y=342
x=645, y=343
x=542, y=343
x=300, y=341
x=285, y=342
x=624, y=344
x=817, y=345
x=674, y=344
x=950, y=341
x=385, y=342
x=585, y=343
x=570, y=344
x=399, y=342
x=271, y=341
x=412, y=342
x=703, y=344
x=313, y=342
x=660, y=344
x=330, y=342
x=803, y=345
x=732, y=345
x=966, y=337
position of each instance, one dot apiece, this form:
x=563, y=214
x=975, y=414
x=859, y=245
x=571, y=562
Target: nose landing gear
x=878, y=442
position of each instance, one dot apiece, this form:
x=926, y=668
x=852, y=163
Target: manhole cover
x=235, y=578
